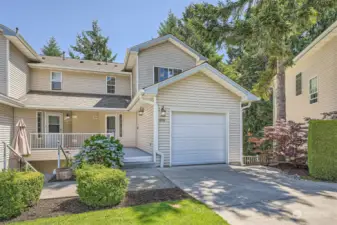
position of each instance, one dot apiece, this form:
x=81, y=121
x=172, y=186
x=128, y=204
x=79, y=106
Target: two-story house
x=164, y=103
x=311, y=81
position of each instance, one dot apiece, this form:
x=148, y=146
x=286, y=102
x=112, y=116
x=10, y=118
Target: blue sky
x=126, y=22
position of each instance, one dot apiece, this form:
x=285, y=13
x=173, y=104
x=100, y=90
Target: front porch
x=45, y=146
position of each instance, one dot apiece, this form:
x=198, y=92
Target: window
x=56, y=80
x=110, y=124
x=161, y=73
x=120, y=125
x=110, y=85
x=39, y=124
x=298, y=84
x=313, y=90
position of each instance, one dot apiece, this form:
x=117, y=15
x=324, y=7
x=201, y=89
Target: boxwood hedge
x=18, y=190
x=100, y=186
x=322, y=149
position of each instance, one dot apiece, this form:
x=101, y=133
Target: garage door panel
x=198, y=138
x=198, y=118
x=211, y=131
x=183, y=145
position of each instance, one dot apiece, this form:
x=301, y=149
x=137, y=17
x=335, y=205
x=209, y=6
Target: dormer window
x=56, y=80
x=162, y=73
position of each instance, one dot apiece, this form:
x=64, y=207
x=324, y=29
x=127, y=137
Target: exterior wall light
x=162, y=112
x=141, y=111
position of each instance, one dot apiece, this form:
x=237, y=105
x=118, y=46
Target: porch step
x=134, y=165
x=135, y=159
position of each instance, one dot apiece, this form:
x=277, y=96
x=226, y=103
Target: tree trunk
x=280, y=91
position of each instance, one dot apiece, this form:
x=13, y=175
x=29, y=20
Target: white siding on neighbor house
x=3, y=64
x=19, y=73
x=134, y=79
x=145, y=129
x=200, y=92
x=322, y=64
x=6, y=130
x=77, y=82
x=163, y=55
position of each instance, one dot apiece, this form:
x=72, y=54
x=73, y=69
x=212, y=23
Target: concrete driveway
x=256, y=195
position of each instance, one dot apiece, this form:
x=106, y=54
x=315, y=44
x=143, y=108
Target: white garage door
x=198, y=138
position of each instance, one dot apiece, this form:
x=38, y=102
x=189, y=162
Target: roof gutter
x=40, y=66
x=74, y=108
x=11, y=102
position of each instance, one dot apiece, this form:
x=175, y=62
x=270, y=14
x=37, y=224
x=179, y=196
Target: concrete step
x=134, y=165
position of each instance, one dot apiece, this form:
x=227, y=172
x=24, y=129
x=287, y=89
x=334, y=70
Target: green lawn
x=183, y=212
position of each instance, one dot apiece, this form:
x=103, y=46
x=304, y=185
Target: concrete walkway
x=256, y=195
x=140, y=179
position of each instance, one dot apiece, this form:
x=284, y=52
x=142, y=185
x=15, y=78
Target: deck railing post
x=58, y=155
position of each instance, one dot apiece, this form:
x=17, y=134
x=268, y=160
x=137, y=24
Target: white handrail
x=18, y=155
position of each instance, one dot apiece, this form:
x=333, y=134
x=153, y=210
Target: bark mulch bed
x=63, y=206
x=290, y=169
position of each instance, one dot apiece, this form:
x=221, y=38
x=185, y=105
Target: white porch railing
x=66, y=140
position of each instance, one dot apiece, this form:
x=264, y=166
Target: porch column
x=155, y=128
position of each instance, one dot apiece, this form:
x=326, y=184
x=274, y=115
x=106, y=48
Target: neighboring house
x=311, y=81
x=164, y=100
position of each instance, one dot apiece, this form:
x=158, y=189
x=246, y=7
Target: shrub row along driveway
x=256, y=195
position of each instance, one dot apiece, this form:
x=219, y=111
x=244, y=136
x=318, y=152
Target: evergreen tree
x=92, y=45
x=264, y=28
x=184, y=31
x=51, y=48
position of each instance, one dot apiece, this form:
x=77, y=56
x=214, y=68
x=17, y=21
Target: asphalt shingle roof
x=52, y=61
x=69, y=100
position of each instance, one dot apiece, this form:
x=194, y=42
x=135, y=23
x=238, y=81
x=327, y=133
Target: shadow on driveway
x=258, y=195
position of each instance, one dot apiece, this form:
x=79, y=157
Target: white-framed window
x=162, y=73
x=56, y=80
x=313, y=90
x=39, y=123
x=110, y=85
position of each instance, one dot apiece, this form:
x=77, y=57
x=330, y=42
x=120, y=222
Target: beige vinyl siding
x=76, y=82
x=163, y=55
x=201, y=92
x=6, y=130
x=19, y=73
x=145, y=129
x=3, y=64
x=322, y=64
x=29, y=117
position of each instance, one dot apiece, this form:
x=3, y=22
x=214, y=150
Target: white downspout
x=155, y=128
x=241, y=130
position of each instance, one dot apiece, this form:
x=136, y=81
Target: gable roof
x=54, y=62
x=211, y=72
x=20, y=43
x=324, y=37
x=156, y=41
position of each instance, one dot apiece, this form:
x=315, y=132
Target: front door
x=54, y=128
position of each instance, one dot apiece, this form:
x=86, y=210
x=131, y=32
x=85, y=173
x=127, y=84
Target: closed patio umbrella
x=20, y=141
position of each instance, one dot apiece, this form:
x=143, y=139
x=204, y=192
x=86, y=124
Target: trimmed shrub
x=19, y=190
x=322, y=151
x=99, y=149
x=99, y=186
